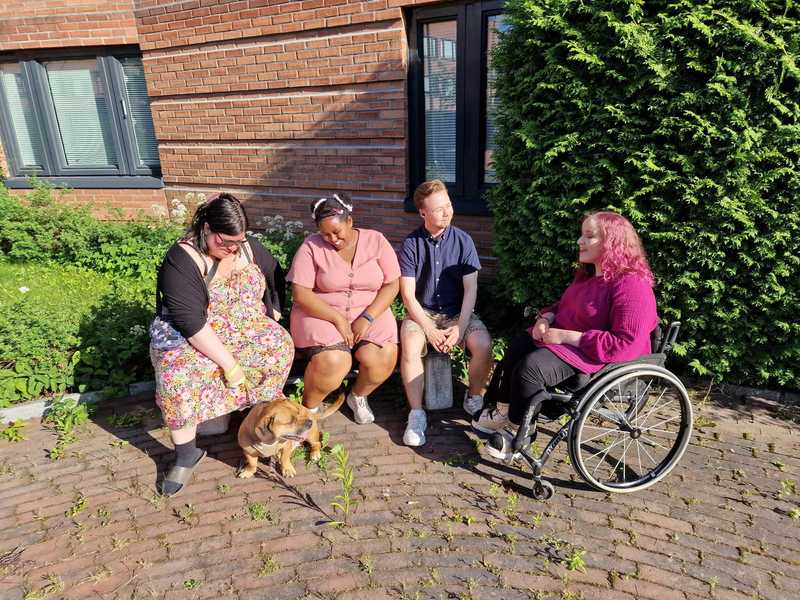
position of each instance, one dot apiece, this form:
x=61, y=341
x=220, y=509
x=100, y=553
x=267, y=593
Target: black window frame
x=128, y=175
x=468, y=192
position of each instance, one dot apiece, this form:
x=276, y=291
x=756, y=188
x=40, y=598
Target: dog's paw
x=316, y=454
x=245, y=474
x=288, y=470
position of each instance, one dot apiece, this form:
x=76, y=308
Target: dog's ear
x=265, y=430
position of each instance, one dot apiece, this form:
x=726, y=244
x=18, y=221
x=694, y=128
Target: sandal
x=180, y=475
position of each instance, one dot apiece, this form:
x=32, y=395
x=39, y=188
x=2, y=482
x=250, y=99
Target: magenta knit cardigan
x=616, y=318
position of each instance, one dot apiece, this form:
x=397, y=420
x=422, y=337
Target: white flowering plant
x=280, y=236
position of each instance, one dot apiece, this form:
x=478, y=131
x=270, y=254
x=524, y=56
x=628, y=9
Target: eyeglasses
x=228, y=243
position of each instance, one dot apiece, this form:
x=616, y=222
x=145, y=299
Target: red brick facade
x=32, y=24
x=275, y=101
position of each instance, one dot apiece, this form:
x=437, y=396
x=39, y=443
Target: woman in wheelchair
x=606, y=315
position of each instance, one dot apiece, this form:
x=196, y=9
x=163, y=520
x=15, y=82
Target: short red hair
x=623, y=251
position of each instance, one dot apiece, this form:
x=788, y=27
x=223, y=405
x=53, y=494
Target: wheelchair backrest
x=662, y=344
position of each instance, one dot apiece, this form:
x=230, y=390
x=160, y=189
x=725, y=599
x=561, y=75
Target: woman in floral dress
x=215, y=344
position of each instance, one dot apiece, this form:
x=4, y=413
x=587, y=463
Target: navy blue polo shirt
x=438, y=265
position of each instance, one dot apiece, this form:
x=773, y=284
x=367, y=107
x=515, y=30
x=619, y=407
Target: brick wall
x=30, y=24
x=280, y=102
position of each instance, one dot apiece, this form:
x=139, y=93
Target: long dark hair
x=223, y=213
x=338, y=205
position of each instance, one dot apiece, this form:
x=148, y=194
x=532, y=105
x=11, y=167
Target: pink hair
x=623, y=251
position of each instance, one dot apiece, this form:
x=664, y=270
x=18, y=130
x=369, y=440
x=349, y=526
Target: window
x=79, y=120
x=452, y=101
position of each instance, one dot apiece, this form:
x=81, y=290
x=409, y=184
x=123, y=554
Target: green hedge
x=685, y=117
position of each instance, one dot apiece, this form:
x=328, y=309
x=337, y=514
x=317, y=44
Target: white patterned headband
x=317, y=204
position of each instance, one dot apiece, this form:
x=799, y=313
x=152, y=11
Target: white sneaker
x=500, y=446
x=489, y=421
x=472, y=403
x=415, y=429
x=362, y=413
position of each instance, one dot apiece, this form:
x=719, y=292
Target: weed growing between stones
x=344, y=502
x=788, y=487
x=366, y=564
x=65, y=416
x=79, y=505
x=53, y=586
x=268, y=565
x=13, y=432
x=187, y=515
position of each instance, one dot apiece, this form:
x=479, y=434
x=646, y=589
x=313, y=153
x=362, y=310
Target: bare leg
x=411, y=369
x=375, y=366
x=323, y=375
x=479, y=345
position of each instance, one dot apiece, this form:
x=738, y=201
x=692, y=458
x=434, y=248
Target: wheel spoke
x=623, y=418
x=656, y=406
x=648, y=455
x=640, y=398
x=622, y=458
x=661, y=423
x=639, y=457
x=602, y=458
x=605, y=431
x=652, y=443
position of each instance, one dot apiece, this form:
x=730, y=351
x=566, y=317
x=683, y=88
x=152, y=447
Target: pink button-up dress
x=347, y=288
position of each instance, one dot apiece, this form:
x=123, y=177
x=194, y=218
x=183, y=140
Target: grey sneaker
x=500, y=446
x=362, y=413
x=472, y=403
x=489, y=421
x=415, y=428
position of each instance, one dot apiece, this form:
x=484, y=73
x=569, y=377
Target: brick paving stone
x=646, y=589
x=437, y=520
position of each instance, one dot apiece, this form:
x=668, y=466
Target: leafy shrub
x=42, y=229
x=71, y=330
x=685, y=117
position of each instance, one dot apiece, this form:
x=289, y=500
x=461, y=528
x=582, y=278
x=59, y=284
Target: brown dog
x=278, y=427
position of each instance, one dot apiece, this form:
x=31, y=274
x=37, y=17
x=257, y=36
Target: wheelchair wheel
x=633, y=429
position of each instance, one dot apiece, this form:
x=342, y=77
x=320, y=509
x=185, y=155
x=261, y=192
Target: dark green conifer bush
x=685, y=117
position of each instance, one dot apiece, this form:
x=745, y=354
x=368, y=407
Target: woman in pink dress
x=344, y=280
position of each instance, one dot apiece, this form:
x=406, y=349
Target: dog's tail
x=333, y=407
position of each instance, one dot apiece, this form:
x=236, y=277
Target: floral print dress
x=190, y=387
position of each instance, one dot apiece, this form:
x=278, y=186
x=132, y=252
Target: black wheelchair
x=629, y=424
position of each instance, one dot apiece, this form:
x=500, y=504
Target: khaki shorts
x=409, y=326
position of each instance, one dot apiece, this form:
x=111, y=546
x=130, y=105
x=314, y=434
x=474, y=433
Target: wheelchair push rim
x=632, y=430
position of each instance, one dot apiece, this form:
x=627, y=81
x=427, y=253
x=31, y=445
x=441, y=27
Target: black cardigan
x=182, y=291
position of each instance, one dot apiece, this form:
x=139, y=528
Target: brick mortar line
x=281, y=195
x=238, y=44
x=239, y=97
x=286, y=146
x=199, y=6
x=59, y=15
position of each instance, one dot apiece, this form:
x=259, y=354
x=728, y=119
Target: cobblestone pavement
x=442, y=521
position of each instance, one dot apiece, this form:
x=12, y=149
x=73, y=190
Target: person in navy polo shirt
x=439, y=283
